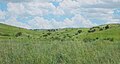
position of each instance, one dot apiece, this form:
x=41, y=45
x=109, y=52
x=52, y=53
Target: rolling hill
x=102, y=32
x=95, y=45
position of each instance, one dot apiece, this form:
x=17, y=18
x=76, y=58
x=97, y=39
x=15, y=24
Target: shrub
x=100, y=29
x=45, y=35
x=57, y=38
x=79, y=31
x=28, y=36
x=91, y=30
x=64, y=37
x=76, y=33
x=52, y=30
x=109, y=39
x=67, y=34
x=107, y=27
x=88, y=40
x=97, y=38
x=18, y=34
x=48, y=33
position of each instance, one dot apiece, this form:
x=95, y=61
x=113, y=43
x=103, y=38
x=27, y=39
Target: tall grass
x=56, y=52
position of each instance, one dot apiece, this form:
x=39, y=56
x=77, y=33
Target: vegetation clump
x=109, y=39
x=107, y=27
x=18, y=34
x=91, y=30
x=79, y=31
x=88, y=40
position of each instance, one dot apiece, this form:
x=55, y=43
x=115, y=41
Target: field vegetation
x=95, y=45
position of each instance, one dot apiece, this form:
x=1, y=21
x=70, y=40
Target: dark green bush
x=91, y=30
x=45, y=35
x=97, y=38
x=100, y=29
x=76, y=33
x=109, y=39
x=79, y=31
x=49, y=33
x=107, y=27
x=18, y=34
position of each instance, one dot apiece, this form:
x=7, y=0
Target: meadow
x=96, y=45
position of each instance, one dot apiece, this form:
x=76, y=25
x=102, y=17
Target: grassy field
x=96, y=45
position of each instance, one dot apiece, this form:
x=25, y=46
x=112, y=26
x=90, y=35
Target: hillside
x=103, y=32
x=96, y=45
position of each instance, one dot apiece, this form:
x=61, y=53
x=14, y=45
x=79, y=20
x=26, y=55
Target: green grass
x=63, y=46
x=56, y=52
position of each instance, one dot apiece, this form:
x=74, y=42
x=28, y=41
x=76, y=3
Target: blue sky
x=49, y=14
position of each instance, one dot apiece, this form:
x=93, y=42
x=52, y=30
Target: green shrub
x=107, y=27
x=79, y=31
x=109, y=39
x=49, y=33
x=100, y=29
x=18, y=34
x=91, y=30
x=97, y=38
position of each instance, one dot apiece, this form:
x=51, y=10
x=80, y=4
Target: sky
x=53, y=14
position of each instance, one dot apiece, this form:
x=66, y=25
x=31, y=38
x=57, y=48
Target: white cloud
x=15, y=8
x=109, y=21
x=12, y=21
x=39, y=22
x=82, y=10
x=69, y=4
x=33, y=8
x=97, y=13
x=58, y=11
x=105, y=4
x=22, y=1
x=75, y=22
x=2, y=15
x=37, y=8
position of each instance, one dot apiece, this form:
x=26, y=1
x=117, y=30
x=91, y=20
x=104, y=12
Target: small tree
x=18, y=34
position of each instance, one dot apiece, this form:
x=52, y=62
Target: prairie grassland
x=96, y=45
x=57, y=52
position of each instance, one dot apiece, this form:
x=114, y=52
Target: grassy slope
x=11, y=30
x=34, y=51
x=62, y=34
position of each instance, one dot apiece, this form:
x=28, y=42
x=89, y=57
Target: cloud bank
x=49, y=14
